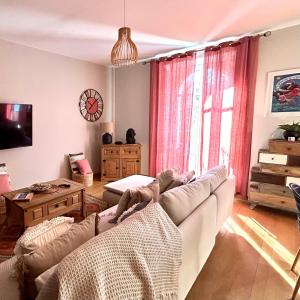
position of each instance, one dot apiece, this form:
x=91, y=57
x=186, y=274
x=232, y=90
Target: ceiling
x=87, y=29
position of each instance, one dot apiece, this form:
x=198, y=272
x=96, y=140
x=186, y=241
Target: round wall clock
x=91, y=105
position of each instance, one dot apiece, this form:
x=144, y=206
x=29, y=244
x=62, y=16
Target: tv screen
x=15, y=125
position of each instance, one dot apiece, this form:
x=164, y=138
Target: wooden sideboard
x=119, y=161
x=277, y=167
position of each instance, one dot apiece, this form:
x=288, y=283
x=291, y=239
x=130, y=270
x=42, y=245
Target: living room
x=55, y=57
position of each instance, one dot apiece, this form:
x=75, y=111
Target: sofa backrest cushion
x=216, y=177
x=181, y=201
x=42, y=259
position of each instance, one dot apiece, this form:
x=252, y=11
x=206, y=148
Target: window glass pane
x=228, y=98
x=225, y=137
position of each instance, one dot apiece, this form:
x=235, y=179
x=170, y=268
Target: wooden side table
x=45, y=206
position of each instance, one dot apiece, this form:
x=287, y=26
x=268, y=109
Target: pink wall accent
x=53, y=84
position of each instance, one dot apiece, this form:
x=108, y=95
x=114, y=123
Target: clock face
x=91, y=105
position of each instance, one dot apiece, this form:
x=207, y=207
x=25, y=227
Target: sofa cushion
x=181, y=201
x=43, y=278
x=139, y=194
x=216, y=177
x=103, y=218
x=42, y=259
x=181, y=179
x=130, y=182
x=41, y=234
x=165, y=178
x=133, y=209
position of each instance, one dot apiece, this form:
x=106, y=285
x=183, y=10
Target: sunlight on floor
x=269, y=238
x=236, y=228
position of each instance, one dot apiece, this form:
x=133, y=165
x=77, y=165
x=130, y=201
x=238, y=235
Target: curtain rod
x=165, y=57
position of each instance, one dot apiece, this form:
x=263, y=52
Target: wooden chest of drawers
x=278, y=167
x=119, y=161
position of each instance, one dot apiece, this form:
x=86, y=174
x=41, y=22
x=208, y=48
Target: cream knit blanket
x=138, y=259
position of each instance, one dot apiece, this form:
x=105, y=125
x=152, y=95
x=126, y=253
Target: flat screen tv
x=15, y=125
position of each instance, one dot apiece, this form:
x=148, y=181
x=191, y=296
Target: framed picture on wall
x=283, y=93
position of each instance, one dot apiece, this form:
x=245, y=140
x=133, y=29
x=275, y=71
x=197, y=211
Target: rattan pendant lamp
x=124, y=52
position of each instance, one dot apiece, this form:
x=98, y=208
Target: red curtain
x=227, y=107
x=171, y=100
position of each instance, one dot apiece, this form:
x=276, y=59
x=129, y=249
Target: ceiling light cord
x=124, y=6
x=124, y=51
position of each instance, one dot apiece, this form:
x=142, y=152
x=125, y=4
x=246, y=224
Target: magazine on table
x=23, y=197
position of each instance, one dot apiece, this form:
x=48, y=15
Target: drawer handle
x=137, y=161
x=272, y=158
x=56, y=205
x=104, y=174
x=282, y=202
x=289, y=148
x=117, y=168
x=286, y=170
x=104, y=160
x=129, y=152
x=111, y=152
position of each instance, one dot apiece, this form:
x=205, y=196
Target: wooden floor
x=97, y=188
x=251, y=258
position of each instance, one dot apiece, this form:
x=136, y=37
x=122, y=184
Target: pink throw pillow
x=84, y=166
x=4, y=183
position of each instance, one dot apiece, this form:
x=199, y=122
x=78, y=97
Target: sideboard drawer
x=57, y=206
x=270, y=158
x=290, y=179
x=130, y=152
x=110, y=152
x=284, y=147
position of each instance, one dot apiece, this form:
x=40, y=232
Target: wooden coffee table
x=45, y=206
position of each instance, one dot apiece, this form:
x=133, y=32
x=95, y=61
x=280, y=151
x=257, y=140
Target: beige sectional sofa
x=199, y=210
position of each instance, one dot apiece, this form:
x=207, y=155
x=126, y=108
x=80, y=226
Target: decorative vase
x=107, y=138
x=294, y=134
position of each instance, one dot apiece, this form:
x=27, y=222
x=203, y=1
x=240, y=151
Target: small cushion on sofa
x=41, y=234
x=4, y=183
x=165, y=178
x=181, y=179
x=130, y=182
x=181, y=201
x=139, y=194
x=84, y=166
x=42, y=259
x=216, y=176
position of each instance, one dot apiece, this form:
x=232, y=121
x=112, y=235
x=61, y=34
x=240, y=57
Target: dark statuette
x=106, y=138
x=130, y=136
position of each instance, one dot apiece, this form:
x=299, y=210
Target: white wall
x=53, y=84
x=132, y=106
x=278, y=52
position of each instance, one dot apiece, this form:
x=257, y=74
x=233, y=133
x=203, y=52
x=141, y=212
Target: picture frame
x=283, y=93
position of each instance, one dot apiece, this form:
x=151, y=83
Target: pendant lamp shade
x=124, y=52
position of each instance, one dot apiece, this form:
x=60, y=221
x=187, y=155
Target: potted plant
x=291, y=130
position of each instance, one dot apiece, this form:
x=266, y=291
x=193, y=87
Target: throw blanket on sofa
x=138, y=259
